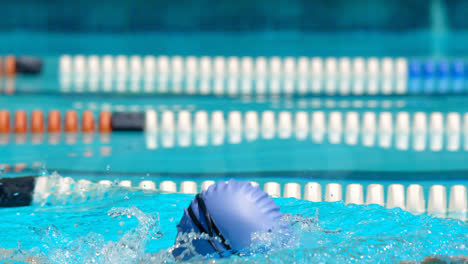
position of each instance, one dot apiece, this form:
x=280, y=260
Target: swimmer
x=228, y=213
x=225, y=216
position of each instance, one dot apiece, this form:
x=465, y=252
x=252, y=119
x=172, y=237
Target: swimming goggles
x=213, y=230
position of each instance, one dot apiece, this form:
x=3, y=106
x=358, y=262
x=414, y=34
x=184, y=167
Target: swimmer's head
x=227, y=213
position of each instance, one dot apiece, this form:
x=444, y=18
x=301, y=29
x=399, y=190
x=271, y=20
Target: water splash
x=184, y=242
x=59, y=190
x=43, y=171
x=131, y=246
x=321, y=233
x=365, y=234
x=58, y=247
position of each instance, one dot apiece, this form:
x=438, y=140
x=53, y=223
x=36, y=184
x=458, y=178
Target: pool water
x=140, y=227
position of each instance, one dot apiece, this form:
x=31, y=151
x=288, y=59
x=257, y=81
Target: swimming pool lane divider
x=236, y=120
x=427, y=130
x=350, y=127
x=260, y=75
x=411, y=198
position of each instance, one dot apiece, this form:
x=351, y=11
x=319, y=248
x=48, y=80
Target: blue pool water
x=138, y=227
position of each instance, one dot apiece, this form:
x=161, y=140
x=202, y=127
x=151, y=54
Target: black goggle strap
x=200, y=227
x=210, y=224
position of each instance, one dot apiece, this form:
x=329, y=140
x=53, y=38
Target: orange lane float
x=4, y=167
x=20, y=167
x=105, y=122
x=71, y=121
x=54, y=122
x=4, y=121
x=21, y=122
x=10, y=66
x=87, y=121
x=37, y=122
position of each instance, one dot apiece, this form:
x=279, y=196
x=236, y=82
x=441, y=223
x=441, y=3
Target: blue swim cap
x=231, y=211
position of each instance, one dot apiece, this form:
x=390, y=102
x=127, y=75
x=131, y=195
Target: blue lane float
x=458, y=68
x=227, y=213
